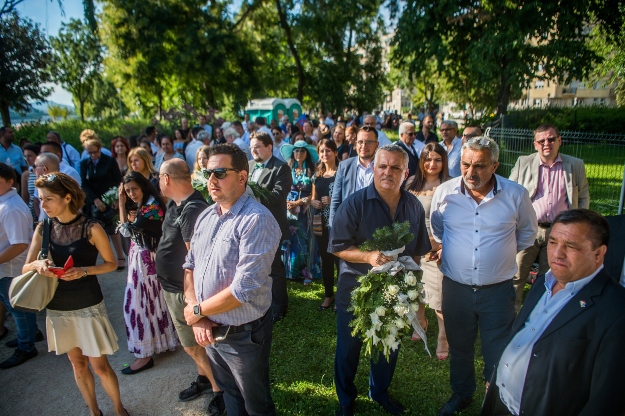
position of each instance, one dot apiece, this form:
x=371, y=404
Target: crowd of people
x=294, y=200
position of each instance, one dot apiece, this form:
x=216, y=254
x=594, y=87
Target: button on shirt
x=13, y=157
x=360, y=215
x=235, y=250
x=516, y=357
x=453, y=157
x=550, y=198
x=364, y=175
x=480, y=242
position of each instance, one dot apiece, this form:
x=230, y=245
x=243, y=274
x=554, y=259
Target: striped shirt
x=235, y=250
x=550, y=198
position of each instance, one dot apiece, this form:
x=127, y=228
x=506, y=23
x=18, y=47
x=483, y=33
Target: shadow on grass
x=302, y=365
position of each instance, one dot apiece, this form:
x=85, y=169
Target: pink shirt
x=550, y=198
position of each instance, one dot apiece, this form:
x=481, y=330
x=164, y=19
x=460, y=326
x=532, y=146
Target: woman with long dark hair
x=119, y=150
x=303, y=260
x=323, y=183
x=76, y=319
x=434, y=171
x=149, y=327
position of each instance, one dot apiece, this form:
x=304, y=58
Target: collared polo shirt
x=360, y=215
x=453, y=157
x=13, y=157
x=16, y=227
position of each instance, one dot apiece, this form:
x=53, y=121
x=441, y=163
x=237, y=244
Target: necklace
x=76, y=218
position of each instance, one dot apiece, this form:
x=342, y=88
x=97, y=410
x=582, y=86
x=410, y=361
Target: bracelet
x=84, y=270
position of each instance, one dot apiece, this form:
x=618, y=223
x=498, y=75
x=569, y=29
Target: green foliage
x=595, y=119
x=70, y=130
x=195, y=56
x=389, y=238
x=25, y=59
x=490, y=49
x=78, y=62
x=57, y=111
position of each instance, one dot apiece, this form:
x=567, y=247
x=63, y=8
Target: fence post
x=622, y=198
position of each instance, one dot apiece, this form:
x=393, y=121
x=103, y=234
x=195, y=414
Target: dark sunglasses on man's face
x=219, y=173
x=549, y=139
x=368, y=128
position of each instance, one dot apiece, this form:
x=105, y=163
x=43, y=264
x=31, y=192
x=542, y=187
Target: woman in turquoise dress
x=301, y=256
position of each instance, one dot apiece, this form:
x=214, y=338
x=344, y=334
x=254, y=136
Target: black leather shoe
x=345, y=410
x=196, y=390
x=129, y=370
x=393, y=407
x=13, y=342
x=20, y=357
x=217, y=405
x=277, y=317
x=455, y=404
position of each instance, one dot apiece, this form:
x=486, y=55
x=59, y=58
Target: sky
x=48, y=14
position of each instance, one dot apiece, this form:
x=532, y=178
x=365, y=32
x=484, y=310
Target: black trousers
x=279, y=295
x=328, y=261
x=491, y=310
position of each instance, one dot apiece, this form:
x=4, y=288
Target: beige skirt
x=432, y=284
x=88, y=329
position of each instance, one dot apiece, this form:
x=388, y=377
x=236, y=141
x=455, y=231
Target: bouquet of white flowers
x=385, y=304
x=110, y=197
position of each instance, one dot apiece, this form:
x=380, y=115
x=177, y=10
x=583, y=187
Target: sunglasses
x=219, y=173
x=299, y=150
x=410, y=134
x=368, y=128
x=548, y=139
x=49, y=177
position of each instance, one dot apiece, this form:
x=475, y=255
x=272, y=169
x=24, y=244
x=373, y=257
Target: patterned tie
x=259, y=166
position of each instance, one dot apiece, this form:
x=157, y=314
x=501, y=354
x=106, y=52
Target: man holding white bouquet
x=380, y=204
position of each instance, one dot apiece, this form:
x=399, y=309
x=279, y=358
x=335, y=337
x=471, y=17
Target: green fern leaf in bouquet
x=389, y=238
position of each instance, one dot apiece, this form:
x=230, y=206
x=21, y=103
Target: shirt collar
x=575, y=286
x=372, y=193
x=558, y=160
x=369, y=166
x=492, y=192
x=8, y=195
x=238, y=205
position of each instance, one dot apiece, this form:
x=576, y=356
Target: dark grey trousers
x=465, y=310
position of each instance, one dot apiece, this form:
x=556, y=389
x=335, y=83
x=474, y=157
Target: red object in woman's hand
x=60, y=271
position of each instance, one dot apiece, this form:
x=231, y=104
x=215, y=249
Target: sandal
x=415, y=336
x=323, y=308
x=120, y=268
x=442, y=349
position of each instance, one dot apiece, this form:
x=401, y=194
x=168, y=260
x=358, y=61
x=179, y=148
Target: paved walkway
x=45, y=385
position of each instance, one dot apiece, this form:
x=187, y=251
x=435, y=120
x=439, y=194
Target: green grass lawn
x=302, y=365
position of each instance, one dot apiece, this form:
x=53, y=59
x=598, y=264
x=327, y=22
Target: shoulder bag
x=31, y=292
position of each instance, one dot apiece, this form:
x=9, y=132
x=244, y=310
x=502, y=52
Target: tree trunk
x=82, y=110
x=505, y=89
x=6, y=115
x=289, y=39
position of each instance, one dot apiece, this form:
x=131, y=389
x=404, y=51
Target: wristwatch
x=197, y=311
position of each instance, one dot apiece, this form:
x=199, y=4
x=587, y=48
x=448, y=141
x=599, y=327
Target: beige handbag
x=31, y=292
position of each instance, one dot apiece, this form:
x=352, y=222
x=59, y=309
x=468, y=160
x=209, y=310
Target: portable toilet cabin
x=273, y=108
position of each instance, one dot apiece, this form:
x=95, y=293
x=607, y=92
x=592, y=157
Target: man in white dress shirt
x=64, y=167
x=482, y=221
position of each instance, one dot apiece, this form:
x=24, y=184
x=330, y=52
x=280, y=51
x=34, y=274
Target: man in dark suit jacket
x=565, y=352
x=413, y=147
x=274, y=175
x=355, y=173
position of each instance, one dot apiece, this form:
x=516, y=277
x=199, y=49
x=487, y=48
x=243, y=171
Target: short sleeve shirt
x=13, y=157
x=178, y=228
x=16, y=227
x=361, y=214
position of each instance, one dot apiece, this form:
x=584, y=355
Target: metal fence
x=603, y=156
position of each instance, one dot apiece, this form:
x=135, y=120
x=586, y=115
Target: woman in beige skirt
x=433, y=167
x=76, y=321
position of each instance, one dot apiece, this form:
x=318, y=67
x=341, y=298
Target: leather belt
x=232, y=329
x=544, y=224
x=478, y=287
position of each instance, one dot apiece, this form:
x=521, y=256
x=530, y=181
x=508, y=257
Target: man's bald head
x=176, y=169
x=48, y=160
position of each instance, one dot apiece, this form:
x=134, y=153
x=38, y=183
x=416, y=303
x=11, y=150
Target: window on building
x=539, y=85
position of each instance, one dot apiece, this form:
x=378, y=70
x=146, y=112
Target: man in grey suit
x=274, y=175
x=556, y=183
x=355, y=173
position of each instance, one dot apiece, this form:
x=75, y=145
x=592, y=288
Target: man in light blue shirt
x=453, y=145
x=566, y=346
x=229, y=261
x=10, y=153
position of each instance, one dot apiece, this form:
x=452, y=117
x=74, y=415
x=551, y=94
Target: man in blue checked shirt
x=233, y=246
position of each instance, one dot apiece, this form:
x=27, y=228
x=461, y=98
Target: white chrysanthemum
x=374, y=318
x=380, y=310
x=393, y=290
x=400, y=310
x=399, y=323
x=413, y=294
